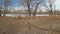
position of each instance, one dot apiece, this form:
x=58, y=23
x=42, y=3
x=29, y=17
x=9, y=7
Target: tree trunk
x=28, y=4
x=51, y=13
x=35, y=9
x=0, y=12
x=29, y=10
x=5, y=13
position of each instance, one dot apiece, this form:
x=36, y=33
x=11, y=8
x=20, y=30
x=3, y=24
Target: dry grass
x=30, y=25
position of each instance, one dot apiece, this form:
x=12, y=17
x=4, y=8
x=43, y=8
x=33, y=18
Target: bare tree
x=54, y=9
x=6, y=4
x=50, y=6
x=0, y=6
x=30, y=4
x=34, y=5
x=0, y=11
x=26, y=3
x=37, y=3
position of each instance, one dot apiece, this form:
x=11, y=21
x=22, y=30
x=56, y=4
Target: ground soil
x=30, y=25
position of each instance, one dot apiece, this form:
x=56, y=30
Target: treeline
x=31, y=5
x=5, y=5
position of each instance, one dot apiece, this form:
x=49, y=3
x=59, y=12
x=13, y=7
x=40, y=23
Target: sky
x=57, y=3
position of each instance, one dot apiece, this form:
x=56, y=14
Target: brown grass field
x=30, y=25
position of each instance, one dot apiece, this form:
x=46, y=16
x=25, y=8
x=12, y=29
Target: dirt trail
x=30, y=25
